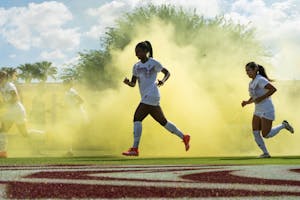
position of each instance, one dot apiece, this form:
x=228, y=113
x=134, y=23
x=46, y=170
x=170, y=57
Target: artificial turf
x=118, y=160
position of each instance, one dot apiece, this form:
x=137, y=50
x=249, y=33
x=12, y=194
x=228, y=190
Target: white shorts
x=150, y=100
x=265, y=110
x=267, y=115
x=15, y=113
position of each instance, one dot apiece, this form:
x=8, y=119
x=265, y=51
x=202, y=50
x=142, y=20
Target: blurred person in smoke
x=13, y=113
x=76, y=116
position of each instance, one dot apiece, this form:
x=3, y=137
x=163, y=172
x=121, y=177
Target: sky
x=55, y=31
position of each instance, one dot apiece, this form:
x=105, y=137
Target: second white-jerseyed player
x=265, y=108
x=260, y=91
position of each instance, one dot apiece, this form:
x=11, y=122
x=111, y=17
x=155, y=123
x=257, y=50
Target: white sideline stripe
x=248, y=187
x=278, y=172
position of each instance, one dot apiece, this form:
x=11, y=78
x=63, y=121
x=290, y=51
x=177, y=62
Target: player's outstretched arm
x=130, y=83
x=166, y=77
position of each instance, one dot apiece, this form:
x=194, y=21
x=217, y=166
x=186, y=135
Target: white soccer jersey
x=15, y=112
x=147, y=74
x=6, y=91
x=257, y=89
x=257, y=86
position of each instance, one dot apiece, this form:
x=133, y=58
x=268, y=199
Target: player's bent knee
x=265, y=134
x=137, y=120
x=163, y=122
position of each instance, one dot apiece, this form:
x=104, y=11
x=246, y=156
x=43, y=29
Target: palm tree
x=43, y=70
x=26, y=72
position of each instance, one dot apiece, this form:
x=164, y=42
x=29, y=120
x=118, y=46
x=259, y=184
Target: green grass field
x=112, y=160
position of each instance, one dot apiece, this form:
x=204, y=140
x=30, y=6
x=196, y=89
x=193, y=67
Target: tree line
x=95, y=68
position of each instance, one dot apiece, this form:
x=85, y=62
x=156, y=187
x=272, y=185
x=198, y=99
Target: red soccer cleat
x=131, y=152
x=186, y=141
x=3, y=154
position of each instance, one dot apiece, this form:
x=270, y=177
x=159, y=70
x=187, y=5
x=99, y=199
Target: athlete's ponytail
x=150, y=50
x=146, y=45
x=260, y=69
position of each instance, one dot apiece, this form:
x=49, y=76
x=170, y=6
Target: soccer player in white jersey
x=260, y=90
x=145, y=72
x=14, y=112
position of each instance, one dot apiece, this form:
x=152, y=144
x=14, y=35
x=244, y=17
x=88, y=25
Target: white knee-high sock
x=275, y=130
x=172, y=128
x=3, y=141
x=137, y=132
x=260, y=142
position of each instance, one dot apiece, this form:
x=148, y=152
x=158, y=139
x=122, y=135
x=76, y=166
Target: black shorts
x=156, y=112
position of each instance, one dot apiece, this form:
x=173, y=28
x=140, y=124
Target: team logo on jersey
x=145, y=71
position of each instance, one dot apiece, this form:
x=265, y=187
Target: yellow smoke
x=191, y=98
x=202, y=98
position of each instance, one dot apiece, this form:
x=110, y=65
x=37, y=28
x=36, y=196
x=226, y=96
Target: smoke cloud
x=202, y=98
